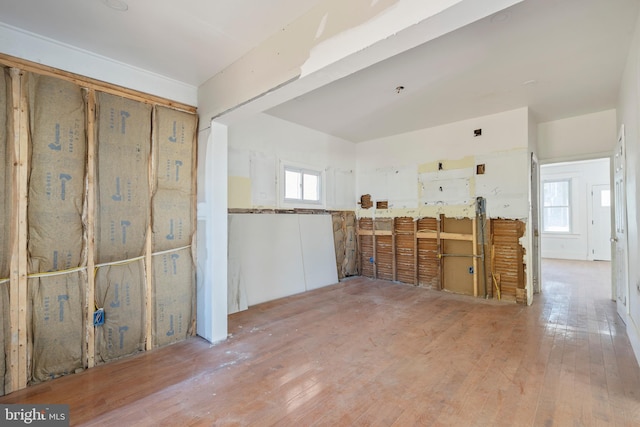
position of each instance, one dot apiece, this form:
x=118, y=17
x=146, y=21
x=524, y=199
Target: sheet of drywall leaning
x=143, y=157
x=5, y=218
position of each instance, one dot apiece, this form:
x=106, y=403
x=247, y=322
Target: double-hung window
x=302, y=185
x=556, y=206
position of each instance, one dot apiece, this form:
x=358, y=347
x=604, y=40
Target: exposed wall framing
x=445, y=253
x=506, y=259
x=70, y=189
x=345, y=240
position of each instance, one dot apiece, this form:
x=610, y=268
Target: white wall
x=583, y=175
x=36, y=48
x=258, y=147
x=628, y=114
x=404, y=169
x=577, y=138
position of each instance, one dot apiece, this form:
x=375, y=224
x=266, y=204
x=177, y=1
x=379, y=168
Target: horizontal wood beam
x=89, y=83
x=444, y=236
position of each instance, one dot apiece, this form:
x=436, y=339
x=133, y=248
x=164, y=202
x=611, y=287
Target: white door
x=620, y=282
x=600, y=236
x=535, y=222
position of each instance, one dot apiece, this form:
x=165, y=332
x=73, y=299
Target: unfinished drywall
x=258, y=147
x=507, y=267
x=277, y=255
x=439, y=167
x=446, y=254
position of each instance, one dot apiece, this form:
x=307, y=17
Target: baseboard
x=634, y=337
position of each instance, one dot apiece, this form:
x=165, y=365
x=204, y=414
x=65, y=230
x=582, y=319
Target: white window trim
x=294, y=203
x=569, y=181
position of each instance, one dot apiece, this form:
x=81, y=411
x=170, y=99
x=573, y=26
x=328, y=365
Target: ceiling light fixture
x=118, y=5
x=500, y=17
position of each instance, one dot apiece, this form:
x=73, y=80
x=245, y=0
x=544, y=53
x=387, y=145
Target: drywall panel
x=576, y=138
x=263, y=178
x=318, y=253
x=276, y=255
x=269, y=253
x=341, y=188
x=239, y=192
x=258, y=145
x=505, y=183
x=447, y=157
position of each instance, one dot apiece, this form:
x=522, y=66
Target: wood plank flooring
x=367, y=352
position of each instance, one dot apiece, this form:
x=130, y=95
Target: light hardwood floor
x=367, y=352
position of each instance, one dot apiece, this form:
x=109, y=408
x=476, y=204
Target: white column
x=212, y=246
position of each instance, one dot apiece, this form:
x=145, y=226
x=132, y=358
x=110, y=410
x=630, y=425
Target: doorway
x=575, y=211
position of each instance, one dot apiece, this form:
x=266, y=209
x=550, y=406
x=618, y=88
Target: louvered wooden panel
x=405, y=251
x=428, y=261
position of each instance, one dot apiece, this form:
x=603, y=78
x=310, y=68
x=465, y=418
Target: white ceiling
x=560, y=57
x=186, y=40
x=571, y=53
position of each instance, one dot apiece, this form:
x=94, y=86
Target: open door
x=620, y=262
x=535, y=223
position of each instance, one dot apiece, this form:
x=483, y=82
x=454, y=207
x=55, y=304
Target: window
x=556, y=207
x=302, y=185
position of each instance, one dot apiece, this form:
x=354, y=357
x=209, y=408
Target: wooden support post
x=359, y=247
x=439, y=248
x=148, y=259
x=416, y=271
x=474, y=231
x=18, y=288
x=375, y=259
x=90, y=355
x=394, y=261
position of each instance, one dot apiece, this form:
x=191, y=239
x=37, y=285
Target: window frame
x=302, y=170
x=568, y=206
